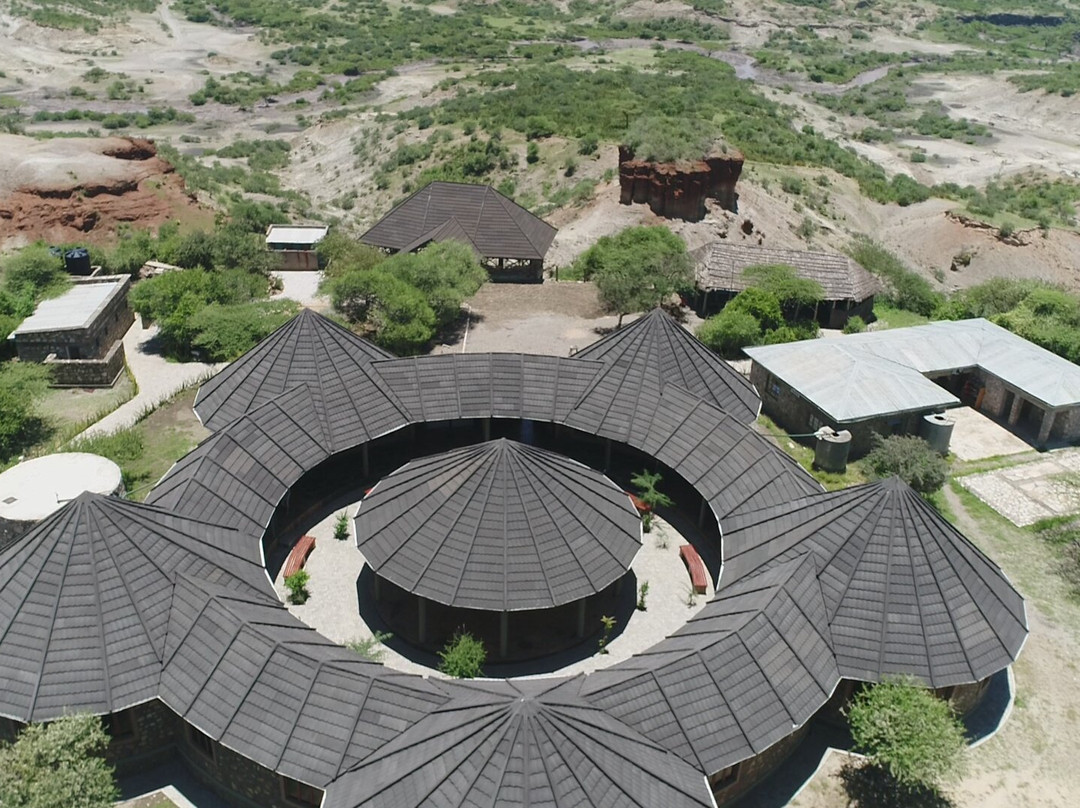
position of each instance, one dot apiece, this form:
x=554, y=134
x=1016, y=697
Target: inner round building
x=519, y=546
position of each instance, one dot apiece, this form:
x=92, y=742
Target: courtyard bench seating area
x=298, y=556
x=696, y=567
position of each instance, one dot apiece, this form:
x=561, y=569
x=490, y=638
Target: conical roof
x=535, y=743
x=314, y=351
x=499, y=526
x=85, y=602
x=905, y=592
x=651, y=353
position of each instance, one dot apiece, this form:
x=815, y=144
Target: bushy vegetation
x=905, y=730
x=58, y=765
x=778, y=306
x=636, y=269
x=124, y=447
x=297, y=584
x=663, y=140
x=154, y=116
x=910, y=458
x=822, y=59
x=27, y=277
x=370, y=648
x=905, y=289
x=22, y=385
x=406, y=299
x=463, y=657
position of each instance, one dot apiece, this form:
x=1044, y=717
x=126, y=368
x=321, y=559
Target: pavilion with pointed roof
x=509, y=240
x=161, y=617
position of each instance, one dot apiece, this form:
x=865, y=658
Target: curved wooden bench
x=298, y=556
x=696, y=567
x=641, y=505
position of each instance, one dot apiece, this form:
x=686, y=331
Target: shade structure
x=85, y=601
x=499, y=526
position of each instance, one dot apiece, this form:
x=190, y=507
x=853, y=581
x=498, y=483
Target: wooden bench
x=641, y=505
x=298, y=555
x=695, y=566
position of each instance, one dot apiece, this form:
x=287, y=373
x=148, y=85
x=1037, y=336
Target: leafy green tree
x=796, y=295
x=760, y=304
x=906, y=730
x=906, y=289
x=729, y=332
x=35, y=272
x=340, y=254
x=222, y=333
x=910, y=458
x=397, y=313
x=58, y=765
x=637, y=268
x=22, y=385
x=463, y=657
x=446, y=274
x=195, y=250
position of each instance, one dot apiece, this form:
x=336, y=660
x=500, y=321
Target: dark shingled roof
x=720, y=267
x=499, y=526
x=905, y=592
x=754, y=664
x=492, y=224
x=313, y=351
x=653, y=352
x=85, y=600
x=250, y=675
x=534, y=743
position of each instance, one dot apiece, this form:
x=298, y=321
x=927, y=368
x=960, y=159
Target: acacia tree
x=909, y=733
x=58, y=765
x=910, y=458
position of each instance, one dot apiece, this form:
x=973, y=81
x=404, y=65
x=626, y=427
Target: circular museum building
x=491, y=493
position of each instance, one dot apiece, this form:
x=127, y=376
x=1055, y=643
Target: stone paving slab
x=1032, y=491
x=977, y=437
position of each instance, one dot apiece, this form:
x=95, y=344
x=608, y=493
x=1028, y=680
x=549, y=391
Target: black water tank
x=77, y=261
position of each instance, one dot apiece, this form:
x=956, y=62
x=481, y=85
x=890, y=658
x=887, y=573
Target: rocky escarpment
x=679, y=190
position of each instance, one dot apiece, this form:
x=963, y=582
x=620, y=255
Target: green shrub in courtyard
x=911, y=459
x=463, y=656
x=297, y=586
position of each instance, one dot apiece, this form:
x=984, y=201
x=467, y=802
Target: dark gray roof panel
x=85, y=602
x=643, y=358
x=255, y=678
x=905, y=591
x=309, y=350
x=493, y=225
x=754, y=664
x=499, y=526
x=535, y=743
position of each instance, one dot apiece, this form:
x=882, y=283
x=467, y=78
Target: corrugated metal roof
x=310, y=234
x=720, y=267
x=76, y=308
x=494, y=225
x=499, y=526
x=881, y=372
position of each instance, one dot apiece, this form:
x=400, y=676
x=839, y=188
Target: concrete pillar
x=581, y=618
x=504, y=632
x=376, y=587
x=485, y=425
x=528, y=429
x=1045, y=427
x=701, y=515
x=607, y=454
x=1014, y=413
x=365, y=465
x=421, y=611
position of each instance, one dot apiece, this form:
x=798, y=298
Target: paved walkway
x=1028, y=492
x=976, y=436
x=335, y=611
x=157, y=380
x=303, y=287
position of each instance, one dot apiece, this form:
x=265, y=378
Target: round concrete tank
x=36, y=488
x=936, y=429
x=832, y=450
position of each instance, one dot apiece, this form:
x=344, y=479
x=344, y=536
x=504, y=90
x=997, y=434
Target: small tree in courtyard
x=908, y=734
x=645, y=482
x=58, y=765
x=463, y=657
x=911, y=459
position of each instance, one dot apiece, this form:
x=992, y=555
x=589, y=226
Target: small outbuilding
x=848, y=288
x=294, y=244
x=510, y=241
x=80, y=334
x=885, y=382
x=495, y=528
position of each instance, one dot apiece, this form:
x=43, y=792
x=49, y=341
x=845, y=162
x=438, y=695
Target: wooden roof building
x=510, y=241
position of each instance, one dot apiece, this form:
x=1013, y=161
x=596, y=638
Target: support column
x=1045, y=427
x=376, y=587
x=421, y=611
x=504, y=631
x=581, y=618
x=365, y=465
x=701, y=515
x=607, y=453
x=486, y=427
x=1014, y=413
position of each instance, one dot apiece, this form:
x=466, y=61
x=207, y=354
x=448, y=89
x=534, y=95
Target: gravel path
x=157, y=379
x=1028, y=492
x=334, y=611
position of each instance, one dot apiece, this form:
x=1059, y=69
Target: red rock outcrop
x=679, y=190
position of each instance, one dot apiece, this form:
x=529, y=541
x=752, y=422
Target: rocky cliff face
x=679, y=190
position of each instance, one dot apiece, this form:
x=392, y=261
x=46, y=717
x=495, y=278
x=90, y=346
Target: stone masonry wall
x=152, y=742
x=92, y=343
x=88, y=372
x=753, y=770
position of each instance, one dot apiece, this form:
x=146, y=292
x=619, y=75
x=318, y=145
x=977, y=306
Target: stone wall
x=679, y=190
x=93, y=342
x=88, y=372
x=152, y=742
x=753, y=770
